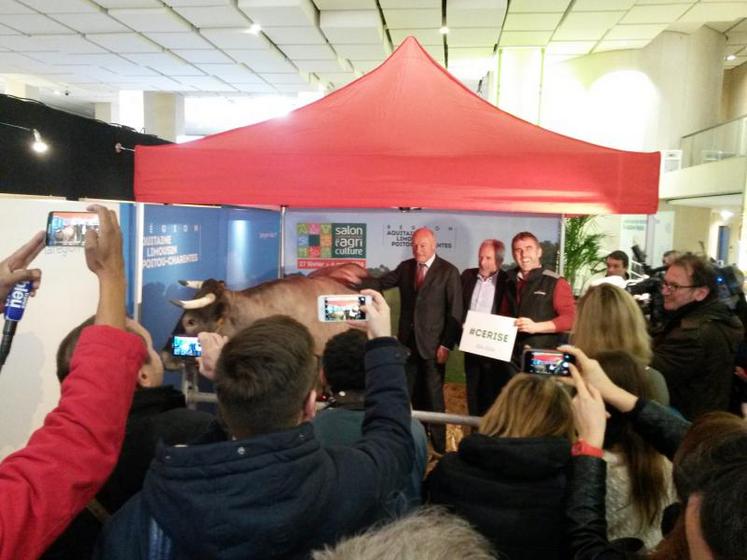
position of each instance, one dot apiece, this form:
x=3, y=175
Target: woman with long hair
x=608, y=318
x=509, y=478
x=709, y=456
x=639, y=479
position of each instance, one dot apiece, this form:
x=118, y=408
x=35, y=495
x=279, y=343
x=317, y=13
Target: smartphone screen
x=547, y=362
x=185, y=347
x=342, y=307
x=68, y=229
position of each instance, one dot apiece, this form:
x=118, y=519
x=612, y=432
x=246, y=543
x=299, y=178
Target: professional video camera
x=729, y=281
x=647, y=289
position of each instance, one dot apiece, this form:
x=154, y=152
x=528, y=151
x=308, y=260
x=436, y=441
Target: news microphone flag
x=15, y=305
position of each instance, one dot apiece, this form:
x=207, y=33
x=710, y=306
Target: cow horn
x=198, y=303
x=196, y=284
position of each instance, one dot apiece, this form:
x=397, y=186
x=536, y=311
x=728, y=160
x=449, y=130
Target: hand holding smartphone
x=546, y=362
x=185, y=347
x=345, y=307
x=68, y=229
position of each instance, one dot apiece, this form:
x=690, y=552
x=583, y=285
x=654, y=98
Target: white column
x=131, y=109
x=107, y=112
x=19, y=88
x=520, y=80
x=163, y=114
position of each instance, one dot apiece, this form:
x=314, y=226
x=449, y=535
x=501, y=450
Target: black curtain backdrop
x=81, y=161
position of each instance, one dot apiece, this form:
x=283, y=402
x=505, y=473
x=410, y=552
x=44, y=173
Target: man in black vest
x=482, y=290
x=540, y=299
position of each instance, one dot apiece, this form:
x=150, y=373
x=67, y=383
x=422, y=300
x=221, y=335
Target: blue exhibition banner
x=239, y=246
x=380, y=239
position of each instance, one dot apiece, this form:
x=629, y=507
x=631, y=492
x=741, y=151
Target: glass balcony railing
x=715, y=143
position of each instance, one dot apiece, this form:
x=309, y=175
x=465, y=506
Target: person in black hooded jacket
x=158, y=412
x=268, y=489
x=509, y=479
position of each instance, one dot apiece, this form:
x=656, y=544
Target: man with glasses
x=695, y=349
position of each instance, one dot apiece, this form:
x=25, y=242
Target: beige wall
x=691, y=226
x=643, y=99
x=734, y=99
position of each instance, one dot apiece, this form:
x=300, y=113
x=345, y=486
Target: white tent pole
x=561, y=249
x=139, y=233
x=281, y=263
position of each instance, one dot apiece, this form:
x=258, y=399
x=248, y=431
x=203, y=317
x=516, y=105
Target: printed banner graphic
x=171, y=244
x=488, y=335
x=379, y=239
x=321, y=244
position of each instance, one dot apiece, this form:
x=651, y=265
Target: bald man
x=429, y=322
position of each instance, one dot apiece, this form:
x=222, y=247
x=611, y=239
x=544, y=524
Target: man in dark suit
x=429, y=321
x=482, y=290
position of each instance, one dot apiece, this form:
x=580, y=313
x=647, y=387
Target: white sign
x=489, y=335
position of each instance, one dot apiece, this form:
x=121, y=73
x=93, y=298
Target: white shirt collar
x=429, y=262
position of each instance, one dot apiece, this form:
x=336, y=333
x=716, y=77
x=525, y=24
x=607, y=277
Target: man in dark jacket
x=540, y=299
x=270, y=490
x=696, y=349
x=158, y=412
x=340, y=423
x=482, y=290
x=429, y=320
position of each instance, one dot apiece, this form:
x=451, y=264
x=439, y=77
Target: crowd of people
x=634, y=455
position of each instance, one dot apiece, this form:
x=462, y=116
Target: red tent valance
x=405, y=134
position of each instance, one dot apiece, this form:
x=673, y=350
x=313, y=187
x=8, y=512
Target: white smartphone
x=345, y=307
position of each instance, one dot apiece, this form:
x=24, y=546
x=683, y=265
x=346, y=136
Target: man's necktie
x=420, y=276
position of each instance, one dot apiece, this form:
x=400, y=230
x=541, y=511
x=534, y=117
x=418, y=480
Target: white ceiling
x=94, y=48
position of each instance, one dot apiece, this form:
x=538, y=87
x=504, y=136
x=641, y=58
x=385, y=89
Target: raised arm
x=386, y=449
x=44, y=485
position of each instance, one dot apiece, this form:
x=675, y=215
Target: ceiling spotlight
x=254, y=29
x=731, y=57
x=444, y=30
x=38, y=145
x=57, y=92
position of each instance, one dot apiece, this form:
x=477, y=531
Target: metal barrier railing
x=425, y=416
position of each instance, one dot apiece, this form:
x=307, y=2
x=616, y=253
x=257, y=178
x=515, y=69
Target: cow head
x=206, y=311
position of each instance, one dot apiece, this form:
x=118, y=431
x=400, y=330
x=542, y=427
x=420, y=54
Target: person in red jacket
x=45, y=484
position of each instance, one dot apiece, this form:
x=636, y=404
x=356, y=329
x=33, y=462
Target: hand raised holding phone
x=342, y=307
x=68, y=229
x=378, y=323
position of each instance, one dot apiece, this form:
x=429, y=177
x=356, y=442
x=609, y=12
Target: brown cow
x=218, y=309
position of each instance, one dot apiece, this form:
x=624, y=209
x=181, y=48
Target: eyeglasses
x=673, y=286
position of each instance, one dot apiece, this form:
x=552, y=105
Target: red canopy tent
x=406, y=134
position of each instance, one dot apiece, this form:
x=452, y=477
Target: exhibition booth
x=344, y=179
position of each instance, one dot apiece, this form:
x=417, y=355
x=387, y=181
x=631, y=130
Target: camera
x=185, y=347
x=647, y=290
x=546, y=362
x=345, y=307
x=68, y=229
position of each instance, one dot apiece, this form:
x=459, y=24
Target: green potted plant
x=582, y=248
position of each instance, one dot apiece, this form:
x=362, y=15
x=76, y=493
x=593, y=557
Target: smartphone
x=546, y=362
x=342, y=307
x=185, y=347
x=68, y=229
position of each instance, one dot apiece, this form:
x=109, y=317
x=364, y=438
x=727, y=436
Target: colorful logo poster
x=326, y=244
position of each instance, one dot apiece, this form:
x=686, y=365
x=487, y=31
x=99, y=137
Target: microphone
x=15, y=305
